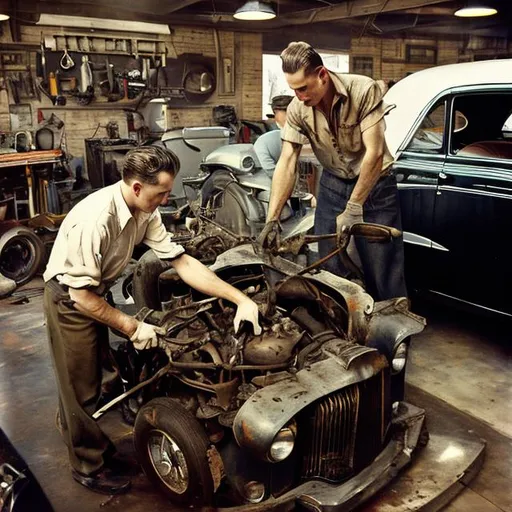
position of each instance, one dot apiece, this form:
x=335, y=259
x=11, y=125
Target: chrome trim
x=479, y=306
x=415, y=186
x=494, y=187
x=474, y=192
x=414, y=239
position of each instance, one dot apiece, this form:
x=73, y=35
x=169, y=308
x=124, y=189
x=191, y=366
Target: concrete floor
x=459, y=371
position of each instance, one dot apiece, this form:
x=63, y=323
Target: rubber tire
x=172, y=418
x=36, y=247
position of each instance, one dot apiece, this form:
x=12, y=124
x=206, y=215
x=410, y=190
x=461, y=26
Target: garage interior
x=459, y=366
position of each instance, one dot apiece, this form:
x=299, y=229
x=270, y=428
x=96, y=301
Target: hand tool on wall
x=13, y=89
x=85, y=74
x=43, y=60
x=66, y=62
x=28, y=175
x=125, y=89
x=53, y=86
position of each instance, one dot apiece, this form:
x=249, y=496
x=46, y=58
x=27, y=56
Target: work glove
x=352, y=214
x=146, y=336
x=270, y=236
x=247, y=311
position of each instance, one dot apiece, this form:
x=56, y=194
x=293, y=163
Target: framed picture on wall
x=362, y=66
x=415, y=54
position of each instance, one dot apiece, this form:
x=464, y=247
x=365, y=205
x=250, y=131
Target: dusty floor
x=459, y=371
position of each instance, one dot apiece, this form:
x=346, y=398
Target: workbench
x=37, y=184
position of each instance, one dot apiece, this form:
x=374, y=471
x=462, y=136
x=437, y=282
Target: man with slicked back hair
x=342, y=116
x=94, y=244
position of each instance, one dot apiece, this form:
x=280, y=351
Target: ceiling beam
x=179, y=4
x=352, y=9
x=345, y=10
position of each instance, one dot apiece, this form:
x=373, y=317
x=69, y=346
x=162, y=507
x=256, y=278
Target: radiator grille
x=344, y=431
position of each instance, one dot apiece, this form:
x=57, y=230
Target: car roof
x=413, y=93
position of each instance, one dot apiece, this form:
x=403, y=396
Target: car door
x=417, y=168
x=473, y=206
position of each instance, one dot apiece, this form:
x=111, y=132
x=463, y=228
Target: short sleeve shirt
x=96, y=240
x=357, y=106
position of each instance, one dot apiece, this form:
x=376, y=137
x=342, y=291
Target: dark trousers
x=383, y=263
x=78, y=346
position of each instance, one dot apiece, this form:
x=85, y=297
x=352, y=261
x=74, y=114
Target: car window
x=484, y=130
x=429, y=136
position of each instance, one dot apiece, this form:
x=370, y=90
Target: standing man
x=93, y=246
x=268, y=146
x=342, y=116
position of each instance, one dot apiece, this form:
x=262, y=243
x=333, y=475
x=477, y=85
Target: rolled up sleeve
x=159, y=239
x=373, y=108
x=292, y=131
x=83, y=259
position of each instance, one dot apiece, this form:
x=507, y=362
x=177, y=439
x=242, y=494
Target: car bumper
x=438, y=473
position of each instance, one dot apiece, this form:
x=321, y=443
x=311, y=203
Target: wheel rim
x=17, y=258
x=168, y=461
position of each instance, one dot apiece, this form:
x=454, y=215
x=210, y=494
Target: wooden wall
x=244, y=50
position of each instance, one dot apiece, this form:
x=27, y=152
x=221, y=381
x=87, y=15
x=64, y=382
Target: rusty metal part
x=227, y=366
x=223, y=390
x=160, y=373
x=269, y=347
x=216, y=466
x=295, y=243
x=259, y=420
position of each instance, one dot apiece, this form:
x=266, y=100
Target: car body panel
x=455, y=179
x=429, y=84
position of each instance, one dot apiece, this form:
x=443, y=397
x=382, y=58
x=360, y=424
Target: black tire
x=163, y=419
x=21, y=254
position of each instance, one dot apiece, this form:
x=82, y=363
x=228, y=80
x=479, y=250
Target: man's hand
x=270, y=236
x=145, y=336
x=247, y=310
x=352, y=214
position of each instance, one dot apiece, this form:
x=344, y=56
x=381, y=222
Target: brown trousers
x=77, y=346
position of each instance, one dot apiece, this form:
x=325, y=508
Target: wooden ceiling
x=392, y=18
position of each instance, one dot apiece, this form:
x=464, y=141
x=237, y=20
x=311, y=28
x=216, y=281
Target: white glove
x=248, y=311
x=146, y=336
x=352, y=214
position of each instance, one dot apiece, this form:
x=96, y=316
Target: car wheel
x=21, y=254
x=172, y=449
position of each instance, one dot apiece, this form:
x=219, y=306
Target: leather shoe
x=104, y=481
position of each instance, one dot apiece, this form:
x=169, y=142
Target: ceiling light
x=255, y=11
x=4, y=17
x=474, y=9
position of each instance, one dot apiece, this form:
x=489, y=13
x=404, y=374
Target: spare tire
x=21, y=254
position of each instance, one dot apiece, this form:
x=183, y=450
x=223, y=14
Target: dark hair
x=300, y=55
x=281, y=102
x=145, y=163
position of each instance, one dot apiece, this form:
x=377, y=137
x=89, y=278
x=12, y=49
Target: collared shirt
x=268, y=148
x=96, y=240
x=337, y=142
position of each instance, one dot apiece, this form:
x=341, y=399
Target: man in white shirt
x=93, y=246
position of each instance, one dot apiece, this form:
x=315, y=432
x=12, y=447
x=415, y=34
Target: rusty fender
x=390, y=324
x=269, y=409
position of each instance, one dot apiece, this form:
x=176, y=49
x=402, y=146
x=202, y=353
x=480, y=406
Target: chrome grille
x=343, y=432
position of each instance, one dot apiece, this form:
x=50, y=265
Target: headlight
x=399, y=358
x=247, y=164
x=283, y=443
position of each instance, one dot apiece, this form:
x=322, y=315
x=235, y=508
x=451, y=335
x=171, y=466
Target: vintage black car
x=451, y=134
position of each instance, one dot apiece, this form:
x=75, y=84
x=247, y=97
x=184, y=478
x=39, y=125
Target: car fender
x=269, y=409
x=390, y=324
